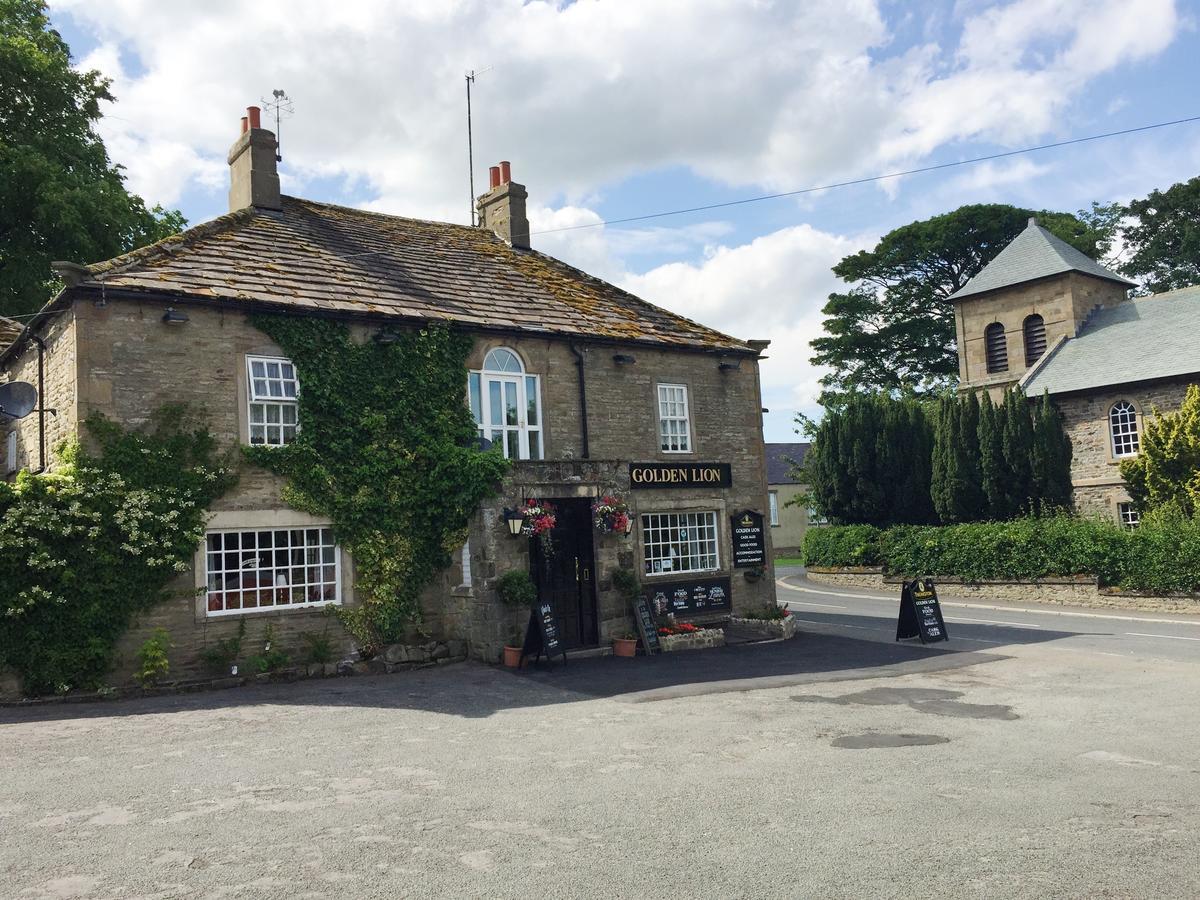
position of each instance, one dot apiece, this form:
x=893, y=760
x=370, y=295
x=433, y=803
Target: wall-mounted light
x=765, y=410
x=730, y=365
x=623, y=359
x=515, y=520
x=628, y=525
x=383, y=336
x=174, y=316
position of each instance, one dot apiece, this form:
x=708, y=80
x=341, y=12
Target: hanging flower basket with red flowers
x=539, y=521
x=610, y=514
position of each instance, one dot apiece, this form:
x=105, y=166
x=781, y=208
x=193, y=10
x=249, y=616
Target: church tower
x=1036, y=293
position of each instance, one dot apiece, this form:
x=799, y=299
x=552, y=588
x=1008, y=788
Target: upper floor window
x=674, y=425
x=1122, y=424
x=507, y=405
x=1035, y=339
x=273, y=397
x=996, y=348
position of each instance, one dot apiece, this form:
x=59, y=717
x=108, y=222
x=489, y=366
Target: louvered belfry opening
x=1035, y=339
x=996, y=347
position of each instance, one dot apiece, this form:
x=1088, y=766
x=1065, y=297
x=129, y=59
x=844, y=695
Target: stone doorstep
x=344, y=669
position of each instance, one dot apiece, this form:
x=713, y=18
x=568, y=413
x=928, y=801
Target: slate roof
x=780, y=459
x=9, y=329
x=1151, y=337
x=320, y=257
x=1034, y=253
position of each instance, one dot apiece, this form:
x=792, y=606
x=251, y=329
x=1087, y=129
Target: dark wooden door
x=567, y=575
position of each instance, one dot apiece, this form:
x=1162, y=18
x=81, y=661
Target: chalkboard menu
x=644, y=619
x=541, y=637
x=688, y=598
x=920, y=613
x=749, y=544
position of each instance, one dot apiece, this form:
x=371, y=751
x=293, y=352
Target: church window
x=1123, y=425
x=1035, y=339
x=996, y=348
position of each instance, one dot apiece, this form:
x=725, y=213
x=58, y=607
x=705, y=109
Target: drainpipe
x=579, y=358
x=41, y=388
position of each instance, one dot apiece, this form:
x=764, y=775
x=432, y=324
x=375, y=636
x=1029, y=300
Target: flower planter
x=766, y=629
x=696, y=640
x=624, y=646
x=512, y=657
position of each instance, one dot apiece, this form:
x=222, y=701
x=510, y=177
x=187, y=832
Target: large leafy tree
x=892, y=329
x=1164, y=236
x=60, y=195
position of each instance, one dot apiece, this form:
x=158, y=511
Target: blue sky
x=611, y=109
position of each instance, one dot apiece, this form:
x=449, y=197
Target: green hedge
x=1163, y=555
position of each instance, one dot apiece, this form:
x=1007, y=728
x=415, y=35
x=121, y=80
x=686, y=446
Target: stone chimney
x=502, y=208
x=253, y=178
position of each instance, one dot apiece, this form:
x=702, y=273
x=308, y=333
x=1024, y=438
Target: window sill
x=270, y=610
x=700, y=573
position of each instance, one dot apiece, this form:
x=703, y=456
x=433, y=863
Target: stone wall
x=130, y=362
x=1081, y=591
x=1095, y=472
x=59, y=366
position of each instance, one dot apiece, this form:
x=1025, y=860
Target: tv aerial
x=17, y=399
x=282, y=106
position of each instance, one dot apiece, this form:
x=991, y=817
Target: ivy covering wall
x=83, y=551
x=387, y=451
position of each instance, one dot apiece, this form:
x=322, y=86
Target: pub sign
x=679, y=475
x=696, y=597
x=749, y=543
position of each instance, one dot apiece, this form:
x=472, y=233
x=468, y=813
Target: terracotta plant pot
x=512, y=657
x=624, y=646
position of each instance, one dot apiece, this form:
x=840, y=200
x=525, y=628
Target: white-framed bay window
x=507, y=405
x=247, y=570
x=674, y=419
x=273, y=392
x=682, y=542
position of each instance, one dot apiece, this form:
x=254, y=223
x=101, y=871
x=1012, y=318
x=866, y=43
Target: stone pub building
x=588, y=389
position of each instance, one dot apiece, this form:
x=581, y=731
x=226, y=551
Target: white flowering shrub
x=86, y=549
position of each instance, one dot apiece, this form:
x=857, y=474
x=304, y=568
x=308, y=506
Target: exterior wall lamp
x=515, y=520
x=628, y=525
x=174, y=316
x=624, y=359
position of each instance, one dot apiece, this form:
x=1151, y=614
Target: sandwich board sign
x=920, y=613
x=541, y=636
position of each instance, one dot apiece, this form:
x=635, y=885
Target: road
x=1015, y=761
x=982, y=624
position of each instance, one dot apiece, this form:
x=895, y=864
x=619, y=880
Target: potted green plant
x=625, y=644
x=516, y=591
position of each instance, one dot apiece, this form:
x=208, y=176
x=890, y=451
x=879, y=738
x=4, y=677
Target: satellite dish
x=17, y=399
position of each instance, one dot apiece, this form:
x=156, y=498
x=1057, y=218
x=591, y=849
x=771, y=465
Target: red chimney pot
x=494, y=177
x=245, y=124
x=252, y=113
x=505, y=171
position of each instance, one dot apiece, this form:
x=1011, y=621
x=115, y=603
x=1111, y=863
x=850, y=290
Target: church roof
x=321, y=258
x=1034, y=253
x=1138, y=340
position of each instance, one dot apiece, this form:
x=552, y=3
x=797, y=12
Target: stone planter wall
x=767, y=629
x=1079, y=590
x=697, y=640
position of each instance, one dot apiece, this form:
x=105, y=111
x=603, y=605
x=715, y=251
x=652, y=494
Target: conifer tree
x=946, y=486
x=992, y=468
x=1051, y=457
x=972, y=501
x=1017, y=444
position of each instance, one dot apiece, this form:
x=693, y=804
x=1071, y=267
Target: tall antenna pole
x=470, y=145
x=282, y=106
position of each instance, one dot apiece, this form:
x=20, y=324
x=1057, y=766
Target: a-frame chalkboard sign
x=920, y=613
x=644, y=620
x=542, y=635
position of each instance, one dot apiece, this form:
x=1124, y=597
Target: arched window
x=1123, y=426
x=1035, y=339
x=996, y=348
x=507, y=405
